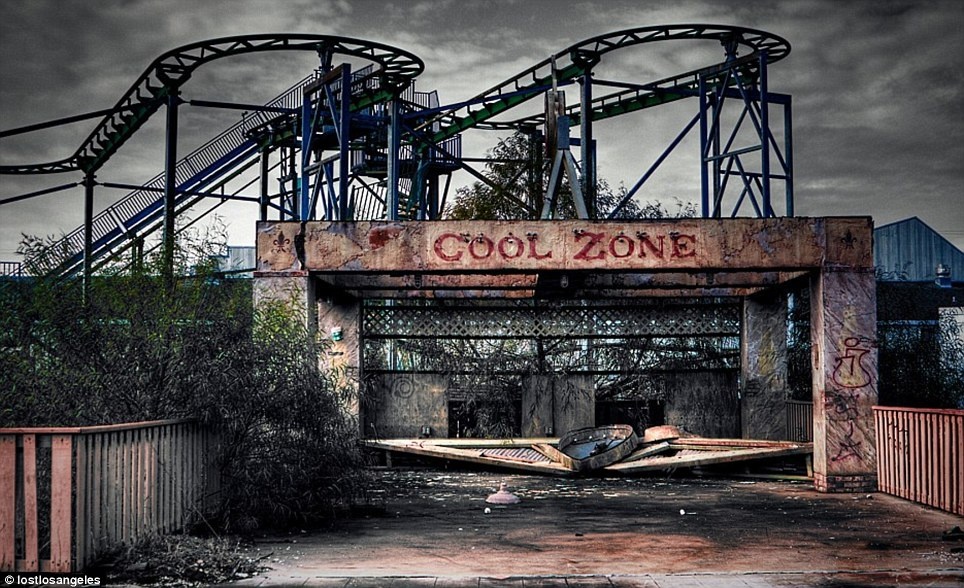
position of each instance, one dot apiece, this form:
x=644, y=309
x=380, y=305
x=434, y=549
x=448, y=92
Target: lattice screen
x=558, y=321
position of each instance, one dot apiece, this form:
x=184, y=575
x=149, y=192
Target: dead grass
x=180, y=560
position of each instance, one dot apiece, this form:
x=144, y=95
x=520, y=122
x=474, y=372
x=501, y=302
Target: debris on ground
x=180, y=560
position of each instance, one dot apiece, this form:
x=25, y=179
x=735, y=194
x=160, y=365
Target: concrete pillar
x=843, y=331
x=763, y=361
x=339, y=328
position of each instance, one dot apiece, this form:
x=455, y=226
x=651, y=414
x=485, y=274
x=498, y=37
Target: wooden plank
x=31, y=560
x=162, y=493
x=124, y=479
x=467, y=456
x=467, y=442
x=8, y=504
x=61, y=484
x=151, y=481
x=885, y=429
x=81, y=531
x=114, y=502
x=554, y=455
x=177, y=463
x=959, y=461
x=650, y=451
x=87, y=430
x=953, y=456
x=714, y=443
x=97, y=492
x=704, y=458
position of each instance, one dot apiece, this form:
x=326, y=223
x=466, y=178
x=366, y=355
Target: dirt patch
x=435, y=523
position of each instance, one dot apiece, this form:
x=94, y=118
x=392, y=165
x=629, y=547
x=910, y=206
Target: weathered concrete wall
x=763, y=361
x=843, y=326
x=703, y=403
x=554, y=405
x=339, y=326
x=506, y=246
x=715, y=257
x=399, y=405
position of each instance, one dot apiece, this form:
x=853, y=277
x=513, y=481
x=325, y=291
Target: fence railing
x=69, y=494
x=799, y=420
x=920, y=455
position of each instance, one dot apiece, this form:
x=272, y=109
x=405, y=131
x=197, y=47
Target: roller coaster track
x=233, y=150
x=166, y=74
x=572, y=62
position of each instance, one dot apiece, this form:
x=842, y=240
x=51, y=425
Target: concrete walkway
x=884, y=579
x=434, y=529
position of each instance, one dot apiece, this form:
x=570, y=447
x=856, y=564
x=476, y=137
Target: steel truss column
x=264, y=196
x=704, y=173
x=394, y=144
x=788, y=154
x=586, y=144
x=88, y=233
x=765, y=136
x=170, y=187
x=344, y=141
x=303, y=195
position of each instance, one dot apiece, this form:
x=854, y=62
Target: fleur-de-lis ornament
x=281, y=244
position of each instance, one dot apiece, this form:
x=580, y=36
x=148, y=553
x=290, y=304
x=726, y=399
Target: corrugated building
x=910, y=250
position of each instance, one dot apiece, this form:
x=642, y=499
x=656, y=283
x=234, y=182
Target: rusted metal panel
x=921, y=455
x=571, y=245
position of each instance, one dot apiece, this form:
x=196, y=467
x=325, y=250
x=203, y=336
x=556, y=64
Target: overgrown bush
x=139, y=350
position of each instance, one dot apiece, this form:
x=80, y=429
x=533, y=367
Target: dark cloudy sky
x=878, y=108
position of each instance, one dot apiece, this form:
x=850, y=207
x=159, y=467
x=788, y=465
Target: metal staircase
x=139, y=213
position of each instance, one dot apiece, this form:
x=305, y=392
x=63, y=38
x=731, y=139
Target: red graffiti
x=849, y=448
x=848, y=371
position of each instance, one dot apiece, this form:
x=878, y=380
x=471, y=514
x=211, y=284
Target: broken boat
x=613, y=449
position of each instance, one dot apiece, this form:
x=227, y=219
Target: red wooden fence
x=920, y=455
x=69, y=494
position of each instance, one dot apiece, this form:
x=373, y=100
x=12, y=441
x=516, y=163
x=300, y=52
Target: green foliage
x=517, y=179
x=920, y=353
x=139, y=350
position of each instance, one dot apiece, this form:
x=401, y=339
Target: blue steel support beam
x=264, y=196
x=304, y=184
x=659, y=160
x=788, y=154
x=394, y=144
x=88, y=233
x=344, y=141
x=585, y=147
x=765, y=136
x=704, y=174
x=170, y=187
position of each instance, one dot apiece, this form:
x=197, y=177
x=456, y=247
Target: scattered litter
x=503, y=496
x=682, y=511
x=487, y=510
x=955, y=534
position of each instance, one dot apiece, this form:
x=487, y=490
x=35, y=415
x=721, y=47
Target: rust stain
x=379, y=236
